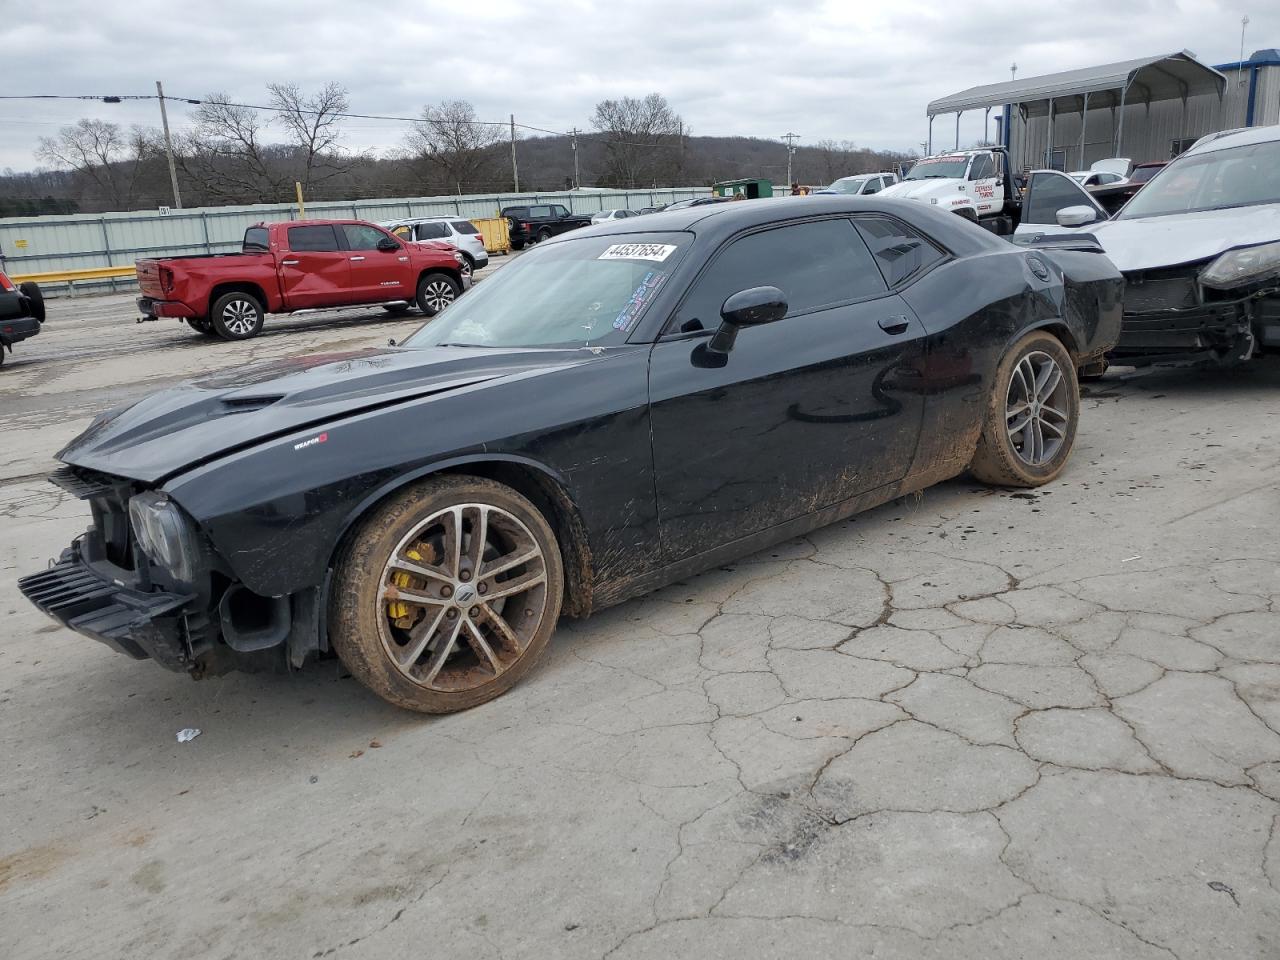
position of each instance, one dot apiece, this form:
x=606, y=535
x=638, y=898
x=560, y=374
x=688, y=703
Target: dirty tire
x=436, y=291
x=237, y=316
x=997, y=460
x=360, y=616
x=33, y=293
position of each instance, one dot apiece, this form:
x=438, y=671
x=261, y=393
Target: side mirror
x=1076, y=216
x=387, y=245
x=747, y=308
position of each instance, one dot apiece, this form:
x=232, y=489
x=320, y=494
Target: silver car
x=604, y=215
x=463, y=234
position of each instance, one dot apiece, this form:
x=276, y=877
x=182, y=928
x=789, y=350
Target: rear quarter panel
x=195, y=278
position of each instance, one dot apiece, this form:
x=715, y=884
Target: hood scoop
x=247, y=404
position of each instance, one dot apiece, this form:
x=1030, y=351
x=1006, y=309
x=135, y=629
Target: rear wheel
x=447, y=594
x=237, y=316
x=516, y=245
x=202, y=326
x=435, y=292
x=544, y=236
x=1031, y=416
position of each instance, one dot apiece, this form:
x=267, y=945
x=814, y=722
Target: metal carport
x=1110, y=86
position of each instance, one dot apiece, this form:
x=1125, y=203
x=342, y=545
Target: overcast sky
x=849, y=71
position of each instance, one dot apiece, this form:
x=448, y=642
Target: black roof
x=723, y=219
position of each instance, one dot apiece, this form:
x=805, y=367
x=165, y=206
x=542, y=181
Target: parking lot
x=970, y=723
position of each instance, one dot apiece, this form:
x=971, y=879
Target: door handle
x=357, y=258
x=288, y=263
x=894, y=325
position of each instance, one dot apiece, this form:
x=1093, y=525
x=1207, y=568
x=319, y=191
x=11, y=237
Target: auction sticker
x=657, y=252
x=642, y=295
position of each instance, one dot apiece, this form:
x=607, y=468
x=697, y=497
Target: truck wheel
x=33, y=294
x=236, y=316
x=447, y=594
x=435, y=292
x=1030, y=421
x=201, y=326
x=516, y=245
x=396, y=308
x=544, y=235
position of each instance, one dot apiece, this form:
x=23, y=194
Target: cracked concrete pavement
x=971, y=723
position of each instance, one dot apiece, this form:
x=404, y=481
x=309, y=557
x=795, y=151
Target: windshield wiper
x=478, y=346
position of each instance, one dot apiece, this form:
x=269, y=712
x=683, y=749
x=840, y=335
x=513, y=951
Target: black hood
x=193, y=422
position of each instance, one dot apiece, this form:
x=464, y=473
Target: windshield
x=1243, y=176
x=948, y=168
x=848, y=185
x=583, y=292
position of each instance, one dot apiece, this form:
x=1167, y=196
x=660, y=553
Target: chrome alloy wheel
x=438, y=294
x=240, y=316
x=461, y=597
x=1036, y=409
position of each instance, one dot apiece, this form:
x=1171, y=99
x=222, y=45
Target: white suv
x=463, y=234
x=605, y=215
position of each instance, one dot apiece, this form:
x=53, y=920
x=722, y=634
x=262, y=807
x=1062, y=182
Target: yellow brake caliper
x=400, y=612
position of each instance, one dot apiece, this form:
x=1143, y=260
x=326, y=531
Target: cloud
x=847, y=71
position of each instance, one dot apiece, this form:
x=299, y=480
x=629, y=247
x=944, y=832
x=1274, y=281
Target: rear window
x=317, y=238
x=464, y=226
x=256, y=240
x=517, y=212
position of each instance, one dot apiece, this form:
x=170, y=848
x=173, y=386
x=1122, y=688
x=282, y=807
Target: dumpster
x=752, y=189
x=495, y=232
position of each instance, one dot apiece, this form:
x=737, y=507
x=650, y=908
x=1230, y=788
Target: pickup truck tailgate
x=149, y=279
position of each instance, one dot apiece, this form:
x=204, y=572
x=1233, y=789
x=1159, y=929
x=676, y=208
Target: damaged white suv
x=1199, y=246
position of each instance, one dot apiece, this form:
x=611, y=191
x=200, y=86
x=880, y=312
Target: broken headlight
x=1243, y=265
x=165, y=534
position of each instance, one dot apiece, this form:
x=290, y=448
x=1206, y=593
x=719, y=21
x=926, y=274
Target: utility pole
x=576, y=182
x=515, y=172
x=1013, y=71
x=1244, y=22
x=791, y=138
x=168, y=149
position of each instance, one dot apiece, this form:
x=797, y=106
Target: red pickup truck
x=300, y=265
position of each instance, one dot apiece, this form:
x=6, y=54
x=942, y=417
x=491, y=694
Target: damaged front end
x=144, y=580
x=1217, y=312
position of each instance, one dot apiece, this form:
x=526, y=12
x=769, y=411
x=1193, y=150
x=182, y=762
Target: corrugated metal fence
x=54, y=243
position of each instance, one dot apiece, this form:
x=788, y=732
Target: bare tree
x=312, y=122
x=453, y=144
x=226, y=154
x=643, y=139
x=102, y=153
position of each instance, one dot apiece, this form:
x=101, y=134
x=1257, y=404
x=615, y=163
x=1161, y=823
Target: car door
x=984, y=182
x=376, y=275
x=804, y=412
x=314, y=271
x=560, y=213
x=1048, y=192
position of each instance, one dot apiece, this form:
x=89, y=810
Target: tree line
x=237, y=153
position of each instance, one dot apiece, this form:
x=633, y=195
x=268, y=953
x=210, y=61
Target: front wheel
x=237, y=316
x=544, y=236
x=1029, y=426
x=445, y=597
x=435, y=292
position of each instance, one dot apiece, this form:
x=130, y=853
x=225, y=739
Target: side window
x=815, y=265
x=315, y=239
x=432, y=231
x=982, y=168
x=404, y=231
x=361, y=236
x=518, y=212
x=559, y=211
x=540, y=213
x=256, y=240
x=1047, y=193
x=900, y=251
x=464, y=226
x=873, y=186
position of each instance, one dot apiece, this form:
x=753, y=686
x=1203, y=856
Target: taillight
x=166, y=279
x=5, y=283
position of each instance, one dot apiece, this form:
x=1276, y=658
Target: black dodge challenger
x=619, y=408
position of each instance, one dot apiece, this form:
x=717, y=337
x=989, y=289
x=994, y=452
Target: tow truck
x=974, y=184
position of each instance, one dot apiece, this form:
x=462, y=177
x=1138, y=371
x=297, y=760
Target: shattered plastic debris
x=188, y=734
